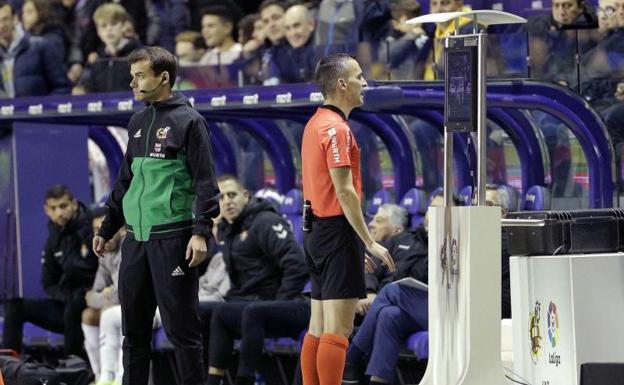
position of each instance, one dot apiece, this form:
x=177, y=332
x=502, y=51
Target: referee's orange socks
x=330, y=359
x=309, y=351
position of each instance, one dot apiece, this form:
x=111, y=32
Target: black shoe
x=353, y=373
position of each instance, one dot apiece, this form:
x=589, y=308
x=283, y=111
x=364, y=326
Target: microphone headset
x=163, y=81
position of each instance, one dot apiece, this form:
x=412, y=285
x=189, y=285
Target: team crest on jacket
x=243, y=236
x=161, y=133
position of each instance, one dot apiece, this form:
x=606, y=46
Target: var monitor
x=460, y=87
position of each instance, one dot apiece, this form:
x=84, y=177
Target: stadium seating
x=465, y=196
x=537, y=198
x=292, y=208
x=415, y=202
x=380, y=198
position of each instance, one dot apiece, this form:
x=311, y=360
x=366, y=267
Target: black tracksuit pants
x=50, y=314
x=253, y=322
x=152, y=273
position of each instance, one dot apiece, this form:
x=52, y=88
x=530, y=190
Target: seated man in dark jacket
x=30, y=65
x=67, y=271
x=398, y=310
x=409, y=250
x=262, y=258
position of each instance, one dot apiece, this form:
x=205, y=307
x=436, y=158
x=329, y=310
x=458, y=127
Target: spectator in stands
x=554, y=41
x=128, y=29
x=197, y=7
x=614, y=120
x=102, y=296
x=607, y=17
x=67, y=271
x=337, y=25
x=39, y=18
x=619, y=12
x=108, y=68
x=398, y=310
x=251, y=56
x=77, y=17
x=30, y=65
x=190, y=47
x=404, y=42
x=605, y=62
x=272, y=14
x=171, y=17
x=251, y=43
x=246, y=27
x=218, y=27
x=263, y=261
x=297, y=62
x=431, y=55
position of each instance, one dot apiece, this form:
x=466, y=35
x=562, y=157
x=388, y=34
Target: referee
x=334, y=245
x=167, y=167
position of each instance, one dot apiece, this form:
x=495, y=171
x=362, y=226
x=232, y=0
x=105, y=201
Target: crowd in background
x=223, y=43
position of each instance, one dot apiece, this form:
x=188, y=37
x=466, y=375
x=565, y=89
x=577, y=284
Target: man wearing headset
x=168, y=168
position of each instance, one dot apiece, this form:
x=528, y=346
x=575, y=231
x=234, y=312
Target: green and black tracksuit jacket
x=168, y=167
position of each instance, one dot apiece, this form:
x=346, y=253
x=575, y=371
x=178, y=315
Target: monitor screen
x=460, y=83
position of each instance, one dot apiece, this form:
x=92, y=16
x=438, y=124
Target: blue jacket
x=294, y=65
x=39, y=68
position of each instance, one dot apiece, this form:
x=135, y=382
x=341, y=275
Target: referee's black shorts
x=335, y=257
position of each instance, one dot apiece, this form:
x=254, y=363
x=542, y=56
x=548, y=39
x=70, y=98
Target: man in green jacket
x=167, y=168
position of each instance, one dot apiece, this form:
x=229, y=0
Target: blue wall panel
x=45, y=155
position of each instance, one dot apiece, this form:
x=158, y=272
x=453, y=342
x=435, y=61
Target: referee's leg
x=310, y=345
x=338, y=315
x=325, y=346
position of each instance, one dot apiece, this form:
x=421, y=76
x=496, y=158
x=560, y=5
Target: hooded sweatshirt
x=262, y=258
x=169, y=164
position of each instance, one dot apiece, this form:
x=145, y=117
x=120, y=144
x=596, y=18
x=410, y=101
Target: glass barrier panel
x=552, y=56
x=204, y=76
x=569, y=184
x=602, y=68
x=254, y=166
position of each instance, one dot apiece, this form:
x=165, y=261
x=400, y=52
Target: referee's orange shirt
x=328, y=143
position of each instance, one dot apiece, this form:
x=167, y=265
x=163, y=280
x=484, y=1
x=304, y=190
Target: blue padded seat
x=380, y=198
x=537, y=198
x=415, y=203
x=465, y=196
x=160, y=340
x=292, y=209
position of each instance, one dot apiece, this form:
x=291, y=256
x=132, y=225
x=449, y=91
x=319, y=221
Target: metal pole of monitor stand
x=481, y=113
x=448, y=152
x=445, y=258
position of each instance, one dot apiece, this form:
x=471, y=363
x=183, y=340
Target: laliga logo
x=530, y=198
x=535, y=336
x=553, y=324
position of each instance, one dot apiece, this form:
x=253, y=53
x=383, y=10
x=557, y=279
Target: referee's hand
x=382, y=253
x=196, y=250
